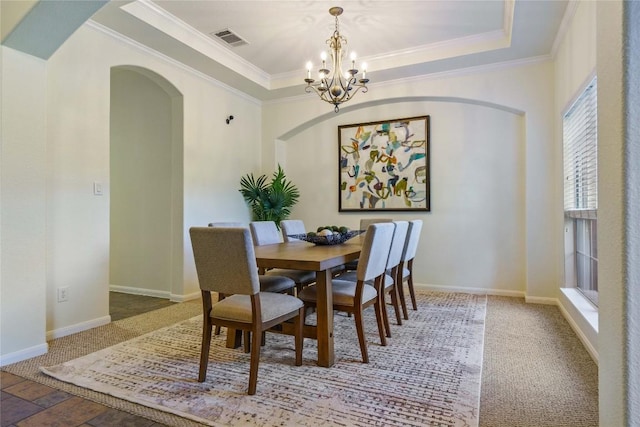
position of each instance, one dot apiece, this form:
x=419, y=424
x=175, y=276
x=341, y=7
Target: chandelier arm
x=357, y=88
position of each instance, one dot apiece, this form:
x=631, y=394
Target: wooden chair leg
x=401, y=297
x=255, y=361
x=298, y=323
x=360, y=329
x=204, y=349
x=412, y=292
x=385, y=314
x=394, y=302
x=378, y=308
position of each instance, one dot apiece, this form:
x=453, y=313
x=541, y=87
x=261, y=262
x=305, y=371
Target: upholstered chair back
x=398, y=243
x=413, y=236
x=375, y=251
x=225, y=260
x=264, y=233
x=291, y=226
x=366, y=222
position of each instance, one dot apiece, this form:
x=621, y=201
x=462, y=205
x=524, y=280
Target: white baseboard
x=154, y=293
x=27, y=353
x=78, y=327
x=540, y=300
x=470, y=290
x=484, y=291
x=183, y=298
x=140, y=291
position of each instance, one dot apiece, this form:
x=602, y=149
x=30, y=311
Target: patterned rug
x=428, y=374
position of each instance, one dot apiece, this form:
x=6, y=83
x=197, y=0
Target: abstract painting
x=384, y=166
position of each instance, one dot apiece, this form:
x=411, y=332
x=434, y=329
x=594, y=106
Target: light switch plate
x=97, y=188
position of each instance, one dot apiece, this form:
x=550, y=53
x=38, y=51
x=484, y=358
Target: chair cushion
x=299, y=276
x=405, y=273
x=276, y=284
x=343, y=292
x=238, y=307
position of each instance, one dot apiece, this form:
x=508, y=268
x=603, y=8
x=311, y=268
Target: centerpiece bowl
x=331, y=239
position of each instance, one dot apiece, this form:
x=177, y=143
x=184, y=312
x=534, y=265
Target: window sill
x=583, y=305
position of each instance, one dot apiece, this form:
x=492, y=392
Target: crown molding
x=565, y=24
x=154, y=53
x=172, y=26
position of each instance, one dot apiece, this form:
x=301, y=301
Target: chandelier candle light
x=336, y=87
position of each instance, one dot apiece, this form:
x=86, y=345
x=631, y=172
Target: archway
x=146, y=146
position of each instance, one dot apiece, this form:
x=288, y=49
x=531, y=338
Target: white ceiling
x=397, y=39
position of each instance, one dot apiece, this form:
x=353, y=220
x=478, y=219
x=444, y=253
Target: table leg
x=326, y=355
x=234, y=338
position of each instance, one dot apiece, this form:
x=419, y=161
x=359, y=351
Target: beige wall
x=55, y=119
x=499, y=233
x=69, y=142
x=594, y=45
x=22, y=205
x=474, y=237
x=575, y=67
x=141, y=175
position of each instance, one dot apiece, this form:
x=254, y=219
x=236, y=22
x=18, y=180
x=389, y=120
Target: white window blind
x=580, y=136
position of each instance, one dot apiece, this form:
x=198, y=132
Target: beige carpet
x=429, y=374
x=536, y=371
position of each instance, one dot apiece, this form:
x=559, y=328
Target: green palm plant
x=269, y=201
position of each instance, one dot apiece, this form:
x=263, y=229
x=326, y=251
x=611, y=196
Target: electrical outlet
x=63, y=294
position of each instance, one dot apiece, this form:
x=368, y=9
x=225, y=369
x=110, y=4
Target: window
x=580, y=144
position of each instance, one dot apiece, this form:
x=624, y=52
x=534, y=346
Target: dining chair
x=405, y=270
x=391, y=282
x=364, y=224
x=266, y=233
x=226, y=263
x=268, y=283
x=390, y=279
x=354, y=297
x=292, y=226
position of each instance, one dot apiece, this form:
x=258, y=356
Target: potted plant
x=269, y=200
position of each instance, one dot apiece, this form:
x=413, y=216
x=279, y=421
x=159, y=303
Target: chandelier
x=335, y=86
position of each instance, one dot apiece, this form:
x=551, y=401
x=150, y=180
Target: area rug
x=428, y=374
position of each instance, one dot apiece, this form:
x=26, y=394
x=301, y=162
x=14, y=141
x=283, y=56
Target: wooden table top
x=306, y=256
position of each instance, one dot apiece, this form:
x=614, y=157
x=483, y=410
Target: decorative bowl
x=332, y=239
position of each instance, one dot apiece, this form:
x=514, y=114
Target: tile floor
x=26, y=403
x=126, y=305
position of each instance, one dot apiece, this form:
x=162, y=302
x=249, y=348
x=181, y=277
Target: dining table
x=300, y=255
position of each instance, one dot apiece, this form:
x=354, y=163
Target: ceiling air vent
x=229, y=37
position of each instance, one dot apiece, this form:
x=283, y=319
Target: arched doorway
x=146, y=145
